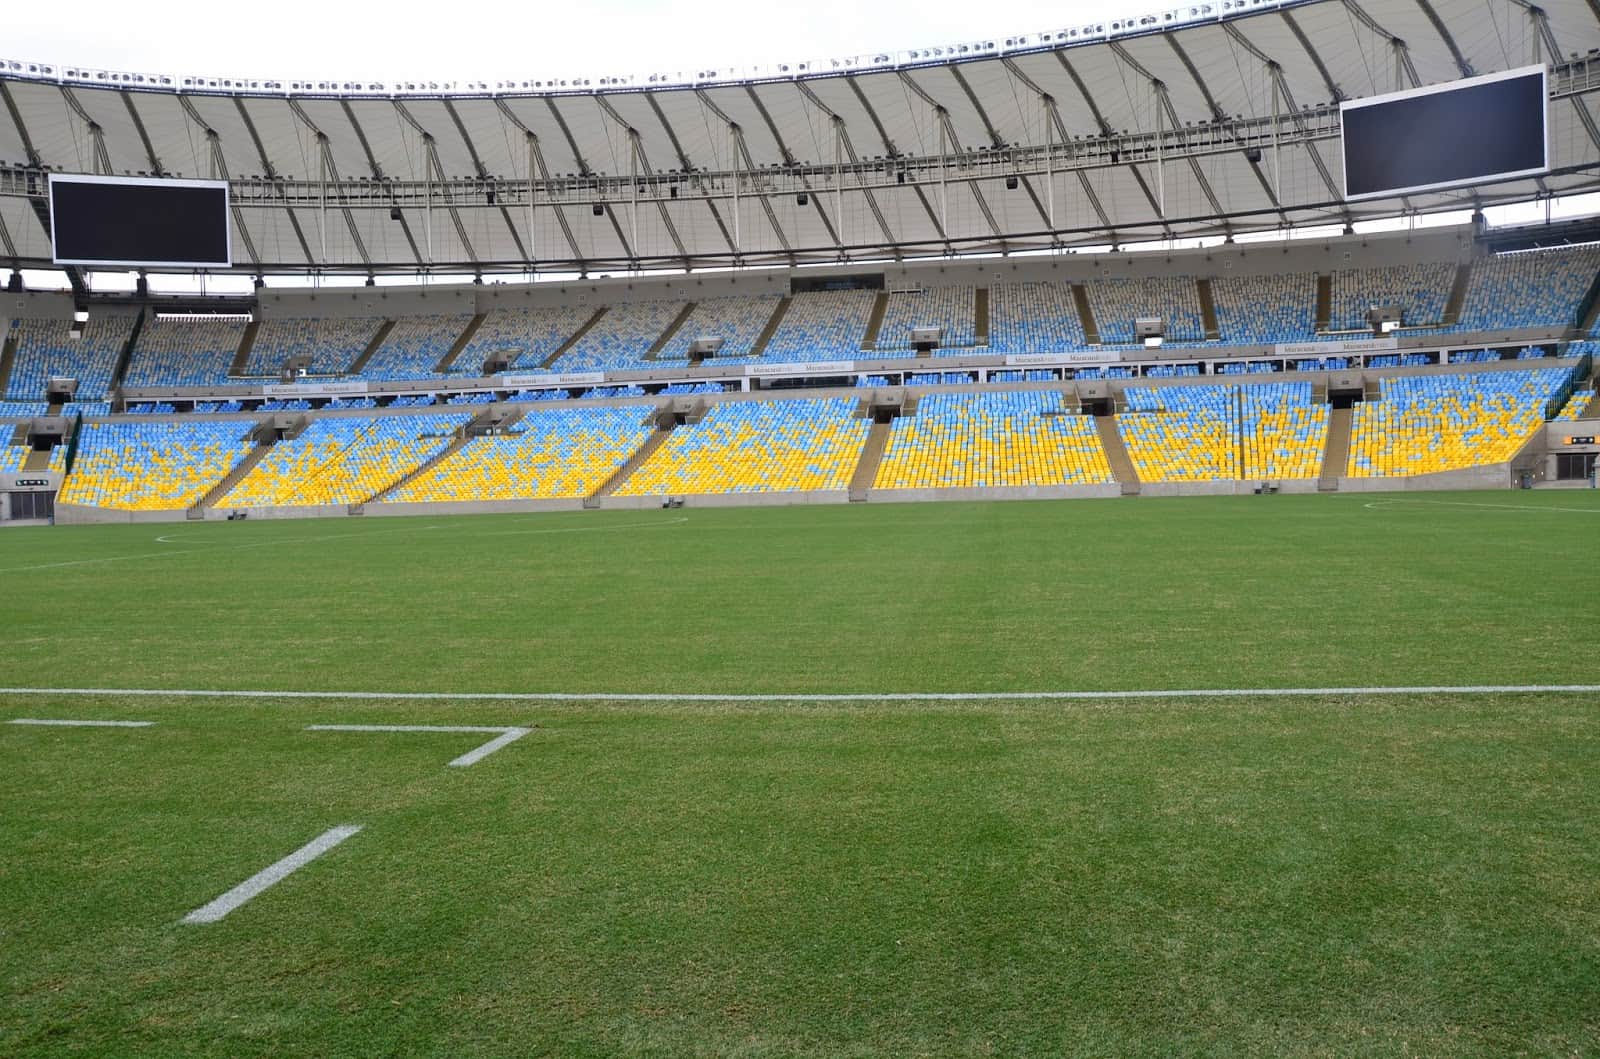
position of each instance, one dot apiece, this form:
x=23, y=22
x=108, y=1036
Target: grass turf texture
x=1317, y=876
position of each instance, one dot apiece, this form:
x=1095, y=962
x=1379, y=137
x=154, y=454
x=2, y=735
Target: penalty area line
x=80, y=724
x=272, y=874
x=889, y=696
x=506, y=735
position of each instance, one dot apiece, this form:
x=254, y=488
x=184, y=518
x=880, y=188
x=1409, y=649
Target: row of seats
x=185, y=351
x=551, y=453
x=332, y=344
x=153, y=466
x=343, y=460
x=1578, y=405
x=1424, y=424
x=1421, y=291
x=738, y=321
x=951, y=308
x=757, y=447
x=45, y=349
x=997, y=438
x=1117, y=303
x=1207, y=433
x=414, y=346
x=1264, y=310
x=527, y=337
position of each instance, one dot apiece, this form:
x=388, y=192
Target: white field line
x=893, y=696
x=210, y=913
x=505, y=737
x=1376, y=504
x=82, y=724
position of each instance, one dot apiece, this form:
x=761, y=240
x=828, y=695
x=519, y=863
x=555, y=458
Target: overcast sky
x=492, y=40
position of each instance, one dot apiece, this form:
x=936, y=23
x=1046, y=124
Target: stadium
x=1079, y=541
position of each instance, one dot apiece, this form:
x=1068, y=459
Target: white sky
x=494, y=40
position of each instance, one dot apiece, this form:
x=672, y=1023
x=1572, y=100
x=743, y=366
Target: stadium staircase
x=458, y=345
x=1091, y=329
x=561, y=350
x=980, y=317
x=8, y=356
x=241, y=359
x=197, y=510
x=664, y=427
x=773, y=324
x=38, y=460
x=372, y=347
x=1336, y=450
x=867, y=466
x=1324, y=302
x=126, y=356
x=672, y=329
x=880, y=305
x=1208, y=310
x=1458, y=296
x=1117, y=454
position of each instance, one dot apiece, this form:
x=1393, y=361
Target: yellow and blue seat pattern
x=1220, y=433
x=343, y=460
x=777, y=446
x=552, y=453
x=1423, y=424
x=153, y=466
x=997, y=438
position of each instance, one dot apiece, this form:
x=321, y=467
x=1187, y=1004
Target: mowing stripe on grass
x=507, y=735
x=210, y=913
x=889, y=696
x=81, y=724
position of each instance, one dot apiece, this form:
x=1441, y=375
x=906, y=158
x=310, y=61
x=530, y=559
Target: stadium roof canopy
x=1214, y=119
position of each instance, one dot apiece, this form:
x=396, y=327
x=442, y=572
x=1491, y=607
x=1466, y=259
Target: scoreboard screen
x=1465, y=132
x=135, y=221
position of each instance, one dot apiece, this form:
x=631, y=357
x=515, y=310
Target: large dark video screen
x=136, y=221
x=1477, y=130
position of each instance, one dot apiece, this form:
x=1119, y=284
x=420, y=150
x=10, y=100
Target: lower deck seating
x=344, y=460
x=1580, y=403
x=12, y=457
x=757, y=447
x=1221, y=433
x=1424, y=424
x=1005, y=438
x=153, y=466
x=551, y=453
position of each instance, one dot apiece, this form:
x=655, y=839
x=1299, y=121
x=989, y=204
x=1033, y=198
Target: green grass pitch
x=1319, y=875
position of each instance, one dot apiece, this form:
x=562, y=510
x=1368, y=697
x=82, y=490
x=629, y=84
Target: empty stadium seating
x=344, y=460
x=1528, y=289
x=1213, y=433
x=413, y=346
x=528, y=336
x=1265, y=309
x=333, y=344
x=756, y=447
x=153, y=466
x=951, y=308
x=1578, y=404
x=1033, y=318
x=620, y=339
x=739, y=321
x=1117, y=303
x=12, y=457
x=1421, y=291
x=46, y=349
x=550, y=453
x=827, y=325
x=185, y=351
x=1428, y=423
x=995, y=438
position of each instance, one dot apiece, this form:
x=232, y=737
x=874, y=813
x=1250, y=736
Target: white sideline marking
x=1374, y=505
x=82, y=724
x=507, y=735
x=891, y=696
x=258, y=882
